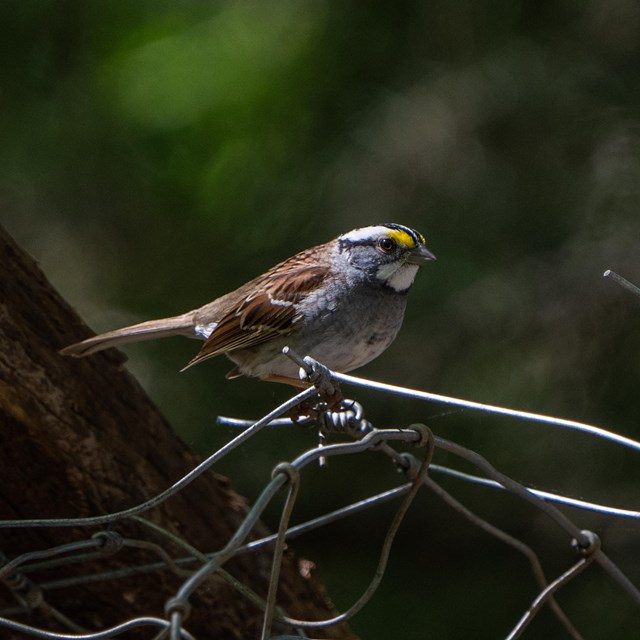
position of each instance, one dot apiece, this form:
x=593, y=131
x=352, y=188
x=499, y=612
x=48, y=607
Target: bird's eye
x=387, y=245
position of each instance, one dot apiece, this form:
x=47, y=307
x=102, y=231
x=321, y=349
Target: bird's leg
x=318, y=405
x=314, y=373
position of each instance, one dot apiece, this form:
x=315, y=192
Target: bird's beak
x=419, y=255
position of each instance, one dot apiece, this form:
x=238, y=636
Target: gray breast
x=352, y=328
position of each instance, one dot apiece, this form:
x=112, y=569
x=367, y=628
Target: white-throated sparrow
x=341, y=303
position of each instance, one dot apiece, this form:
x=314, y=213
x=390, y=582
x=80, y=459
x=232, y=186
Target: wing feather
x=267, y=311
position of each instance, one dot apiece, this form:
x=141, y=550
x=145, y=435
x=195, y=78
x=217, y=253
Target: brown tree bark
x=81, y=438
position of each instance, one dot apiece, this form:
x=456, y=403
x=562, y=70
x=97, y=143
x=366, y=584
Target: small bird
x=341, y=303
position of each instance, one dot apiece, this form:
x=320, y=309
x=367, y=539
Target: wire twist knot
x=426, y=436
x=287, y=469
x=110, y=542
x=348, y=419
x=177, y=605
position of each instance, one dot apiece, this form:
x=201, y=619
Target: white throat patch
x=399, y=278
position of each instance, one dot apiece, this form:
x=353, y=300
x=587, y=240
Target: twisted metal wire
x=348, y=420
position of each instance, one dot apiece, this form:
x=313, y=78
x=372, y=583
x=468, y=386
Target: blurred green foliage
x=157, y=154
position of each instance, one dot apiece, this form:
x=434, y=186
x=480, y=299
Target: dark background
x=156, y=155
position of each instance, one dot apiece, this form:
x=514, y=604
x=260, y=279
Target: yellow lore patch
x=403, y=238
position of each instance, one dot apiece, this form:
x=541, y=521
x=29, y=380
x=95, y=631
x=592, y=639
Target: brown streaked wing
x=263, y=315
x=295, y=282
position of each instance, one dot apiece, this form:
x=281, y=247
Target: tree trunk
x=81, y=438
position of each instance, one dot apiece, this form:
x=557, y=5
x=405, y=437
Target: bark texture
x=81, y=438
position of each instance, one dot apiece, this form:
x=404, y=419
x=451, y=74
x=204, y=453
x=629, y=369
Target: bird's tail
x=175, y=326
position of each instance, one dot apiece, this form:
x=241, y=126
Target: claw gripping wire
x=313, y=372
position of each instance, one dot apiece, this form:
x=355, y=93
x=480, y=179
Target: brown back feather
x=265, y=308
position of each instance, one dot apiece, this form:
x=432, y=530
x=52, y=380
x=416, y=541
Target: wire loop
x=288, y=470
x=426, y=436
x=347, y=419
x=593, y=543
